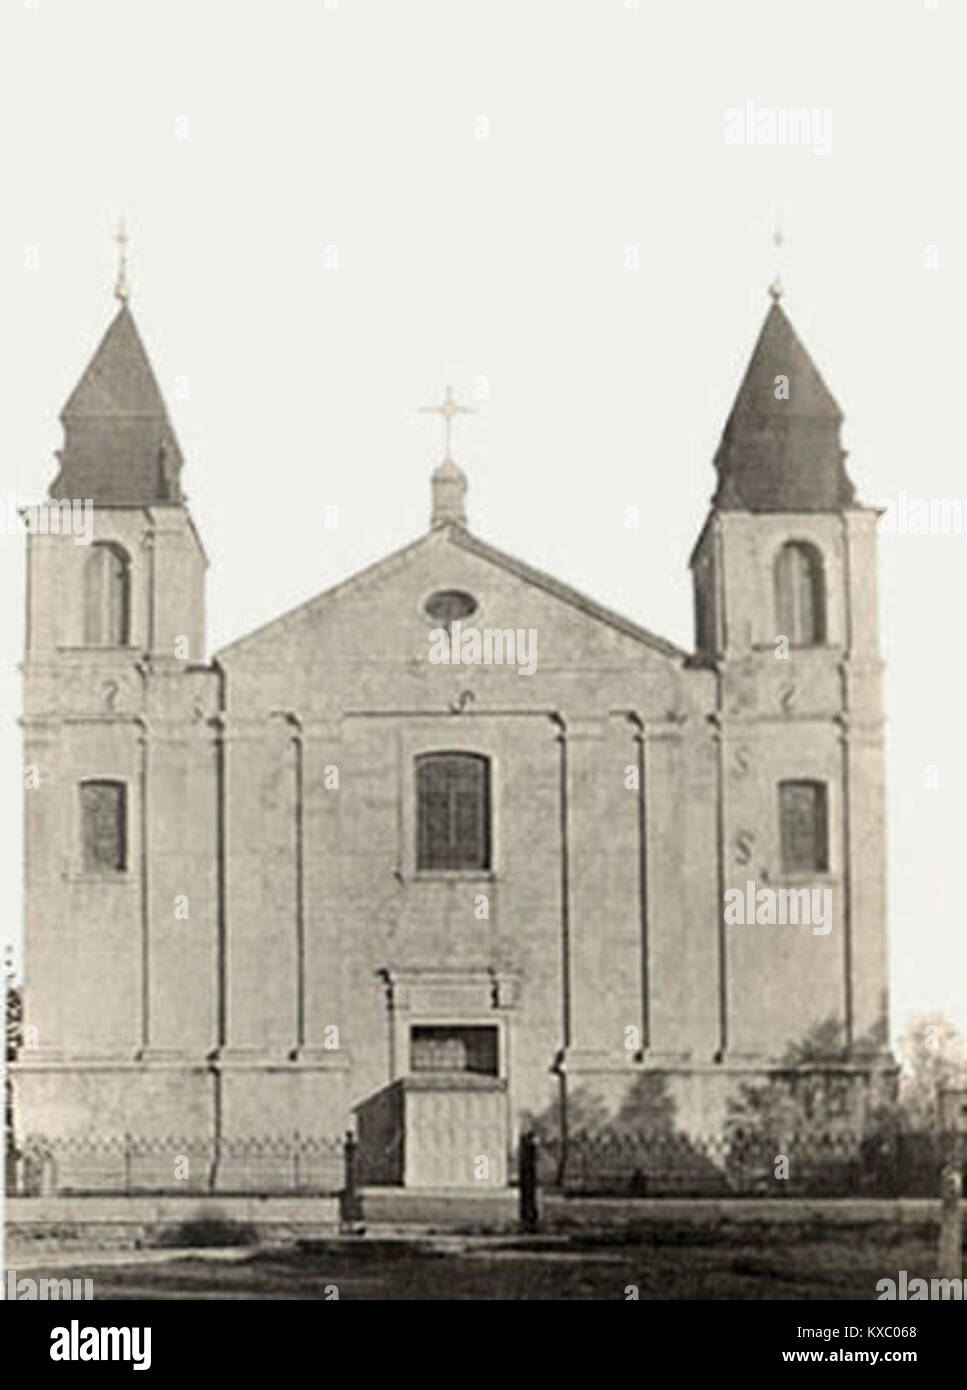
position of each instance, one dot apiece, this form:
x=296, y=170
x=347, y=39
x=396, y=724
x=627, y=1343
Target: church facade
x=316, y=882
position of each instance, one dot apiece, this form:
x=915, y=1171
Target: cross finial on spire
x=121, y=287
x=776, y=288
x=447, y=409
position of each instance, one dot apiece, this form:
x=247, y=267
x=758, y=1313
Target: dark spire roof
x=782, y=455
x=119, y=447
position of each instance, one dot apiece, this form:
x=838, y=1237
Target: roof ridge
x=562, y=590
x=455, y=534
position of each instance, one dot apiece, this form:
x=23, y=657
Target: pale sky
x=321, y=240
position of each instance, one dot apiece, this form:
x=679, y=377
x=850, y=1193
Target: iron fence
x=815, y=1164
x=603, y=1163
x=93, y=1164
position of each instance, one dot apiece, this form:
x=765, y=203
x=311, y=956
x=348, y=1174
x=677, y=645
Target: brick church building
x=302, y=885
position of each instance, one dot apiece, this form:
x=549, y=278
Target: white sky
x=354, y=126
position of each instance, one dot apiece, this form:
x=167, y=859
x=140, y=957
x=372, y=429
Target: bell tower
x=120, y=459
x=120, y=715
x=785, y=609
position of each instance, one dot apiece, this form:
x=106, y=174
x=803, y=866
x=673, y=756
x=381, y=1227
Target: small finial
x=448, y=409
x=448, y=484
x=776, y=288
x=121, y=287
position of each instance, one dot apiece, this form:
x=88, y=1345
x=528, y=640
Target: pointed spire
x=780, y=450
x=119, y=447
x=118, y=380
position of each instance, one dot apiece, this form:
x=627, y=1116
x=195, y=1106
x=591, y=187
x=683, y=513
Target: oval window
x=447, y=605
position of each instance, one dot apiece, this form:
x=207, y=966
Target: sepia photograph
x=480, y=733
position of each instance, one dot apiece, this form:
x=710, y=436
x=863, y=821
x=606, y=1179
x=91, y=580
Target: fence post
x=49, y=1176
x=951, y=1229
x=527, y=1169
x=127, y=1163
x=952, y=1110
x=349, y=1197
x=895, y=1161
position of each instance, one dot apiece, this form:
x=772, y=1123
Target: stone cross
x=447, y=409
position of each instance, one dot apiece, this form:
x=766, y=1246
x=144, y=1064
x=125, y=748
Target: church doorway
x=443, y=1123
x=455, y=1113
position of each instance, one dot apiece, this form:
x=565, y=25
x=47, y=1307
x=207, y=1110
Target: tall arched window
x=106, y=596
x=452, y=811
x=800, y=593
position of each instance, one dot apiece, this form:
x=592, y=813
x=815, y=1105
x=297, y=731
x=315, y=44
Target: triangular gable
x=463, y=540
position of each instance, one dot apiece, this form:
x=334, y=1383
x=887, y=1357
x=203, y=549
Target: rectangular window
x=803, y=827
x=453, y=1048
x=452, y=811
x=104, y=826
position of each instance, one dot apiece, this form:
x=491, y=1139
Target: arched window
x=106, y=596
x=803, y=827
x=452, y=811
x=104, y=826
x=800, y=591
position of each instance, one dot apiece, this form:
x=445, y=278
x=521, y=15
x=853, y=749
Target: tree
x=933, y=1057
x=14, y=1021
x=13, y=1033
x=813, y=1119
